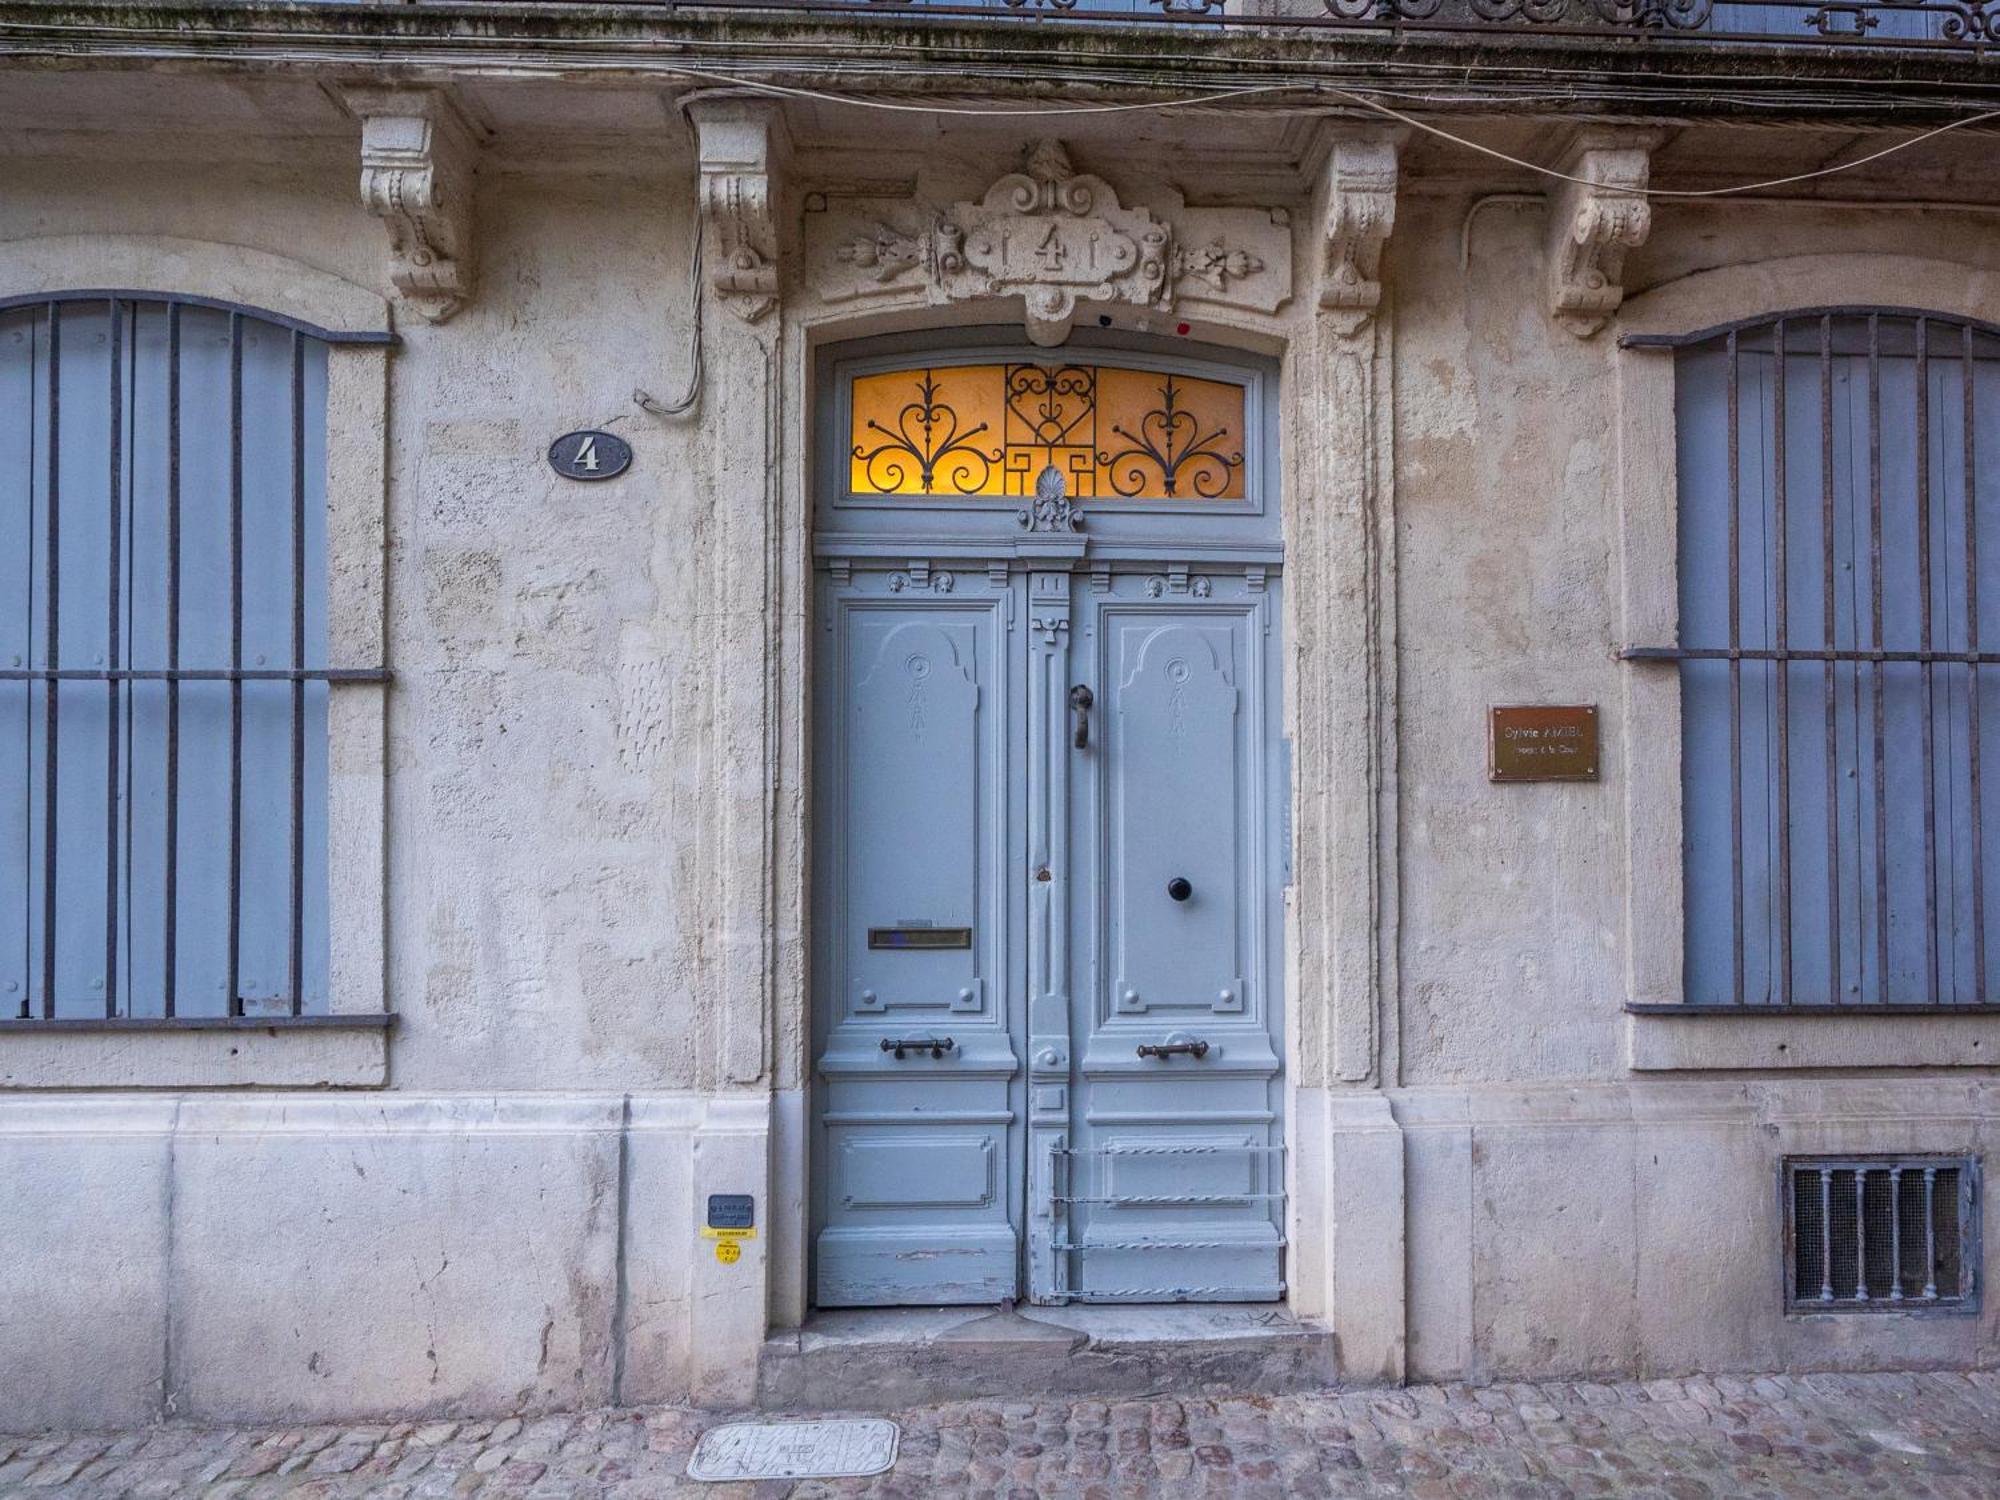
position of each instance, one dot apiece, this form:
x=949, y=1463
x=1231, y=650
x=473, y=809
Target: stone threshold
x=879, y=1359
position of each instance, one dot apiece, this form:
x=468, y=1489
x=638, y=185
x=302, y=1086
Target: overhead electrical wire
x=1352, y=96
x=1371, y=99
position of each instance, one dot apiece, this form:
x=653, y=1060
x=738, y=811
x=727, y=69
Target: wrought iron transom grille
x=1839, y=528
x=1881, y=1234
x=163, y=661
x=989, y=430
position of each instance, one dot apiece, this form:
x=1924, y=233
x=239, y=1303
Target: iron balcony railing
x=1954, y=25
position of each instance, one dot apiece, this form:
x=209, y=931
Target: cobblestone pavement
x=1823, y=1436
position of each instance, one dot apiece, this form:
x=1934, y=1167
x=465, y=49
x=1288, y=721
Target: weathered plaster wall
x=581, y=668
x=1513, y=896
x=1563, y=1215
x=546, y=883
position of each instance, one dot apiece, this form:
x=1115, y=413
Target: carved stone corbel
x=418, y=154
x=1360, y=212
x=1592, y=223
x=740, y=143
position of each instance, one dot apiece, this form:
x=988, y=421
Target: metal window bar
x=143, y=426
x=1881, y=1234
x=1873, y=588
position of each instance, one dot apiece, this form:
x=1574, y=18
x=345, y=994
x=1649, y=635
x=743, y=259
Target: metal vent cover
x=1881, y=1233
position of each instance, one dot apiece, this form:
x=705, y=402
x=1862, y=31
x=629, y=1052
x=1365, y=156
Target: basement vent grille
x=1881, y=1234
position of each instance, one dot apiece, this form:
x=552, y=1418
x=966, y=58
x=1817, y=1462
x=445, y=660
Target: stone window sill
x=1671, y=1038
x=197, y=1052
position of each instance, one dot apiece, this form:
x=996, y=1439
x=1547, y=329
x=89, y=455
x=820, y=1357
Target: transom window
x=163, y=662
x=987, y=430
x=1839, y=530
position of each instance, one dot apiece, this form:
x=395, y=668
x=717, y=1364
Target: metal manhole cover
x=795, y=1450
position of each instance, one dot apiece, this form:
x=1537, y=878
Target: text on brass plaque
x=1544, y=742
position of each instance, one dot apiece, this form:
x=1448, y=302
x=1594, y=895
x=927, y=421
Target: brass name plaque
x=1544, y=742
x=920, y=937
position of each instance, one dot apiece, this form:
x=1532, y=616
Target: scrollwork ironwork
x=1170, y=440
x=1051, y=403
x=926, y=433
x=1644, y=15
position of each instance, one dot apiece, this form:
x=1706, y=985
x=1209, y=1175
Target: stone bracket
x=1054, y=237
x=1360, y=213
x=1592, y=223
x=418, y=155
x=740, y=144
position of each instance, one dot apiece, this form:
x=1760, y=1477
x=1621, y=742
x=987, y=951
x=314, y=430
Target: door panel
x=1172, y=774
x=918, y=1152
x=1175, y=1175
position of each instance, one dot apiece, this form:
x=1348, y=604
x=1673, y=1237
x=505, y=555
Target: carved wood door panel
x=1047, y=915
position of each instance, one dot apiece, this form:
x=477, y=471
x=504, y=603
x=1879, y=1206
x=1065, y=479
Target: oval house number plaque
x=590, y=455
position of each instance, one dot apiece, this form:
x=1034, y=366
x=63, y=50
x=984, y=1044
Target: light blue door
x=1048, y=868
x=1169, y=1185
x=1049, y=1062
x=919, y=853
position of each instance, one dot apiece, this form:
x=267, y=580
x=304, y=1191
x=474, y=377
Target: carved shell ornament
x=1052, y=509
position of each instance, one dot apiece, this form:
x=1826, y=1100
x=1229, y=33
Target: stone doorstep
x=880, y=1359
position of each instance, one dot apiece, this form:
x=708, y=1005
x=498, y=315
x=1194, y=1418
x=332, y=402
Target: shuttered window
x=163, y=692
x=1839, y=488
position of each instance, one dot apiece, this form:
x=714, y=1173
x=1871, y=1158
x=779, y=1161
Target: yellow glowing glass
x=989, y=430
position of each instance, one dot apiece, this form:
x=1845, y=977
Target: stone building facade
x=581, y=823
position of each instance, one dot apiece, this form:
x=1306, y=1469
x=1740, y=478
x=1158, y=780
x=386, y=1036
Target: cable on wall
x=686, y=402
x=1352, y=96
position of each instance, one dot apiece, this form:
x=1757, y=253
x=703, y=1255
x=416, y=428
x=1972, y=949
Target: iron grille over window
x=163, y=674
x=1881, y=1234
x=1839, y=531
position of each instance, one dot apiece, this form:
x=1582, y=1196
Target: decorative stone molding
x=418, y=154
x=740, y=143
x=1055, y=237
x=1360, y=212
x=1592, y=224
x=1052, y=509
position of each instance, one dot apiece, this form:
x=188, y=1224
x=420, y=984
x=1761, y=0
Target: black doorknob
x=1179, y=888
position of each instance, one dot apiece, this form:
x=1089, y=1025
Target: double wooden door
x=1049, y=864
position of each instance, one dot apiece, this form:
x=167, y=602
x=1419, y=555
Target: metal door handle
x=1172, y=1049
x=1080, y=699
x=937, y=1046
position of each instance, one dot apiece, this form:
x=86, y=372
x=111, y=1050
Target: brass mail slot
x=920, y=937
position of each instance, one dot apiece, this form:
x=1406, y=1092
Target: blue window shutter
x=115, y=797
x=1872, y=906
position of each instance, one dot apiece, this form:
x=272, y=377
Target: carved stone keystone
x=1360, y=212
x=1054, y=237
x=418, y=154
x=1592, y=223
x=740, y=143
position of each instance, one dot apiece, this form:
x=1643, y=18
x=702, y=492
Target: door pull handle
x=1080, y=699
x=937, y=1046
x=1174, y=1049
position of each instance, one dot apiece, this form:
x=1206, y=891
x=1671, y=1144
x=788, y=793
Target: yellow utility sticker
x=710, y=1232
x=728, y=1252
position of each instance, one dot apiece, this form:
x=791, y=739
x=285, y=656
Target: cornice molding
x=1592, y=224
x=418, y=156
x=741, y=146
